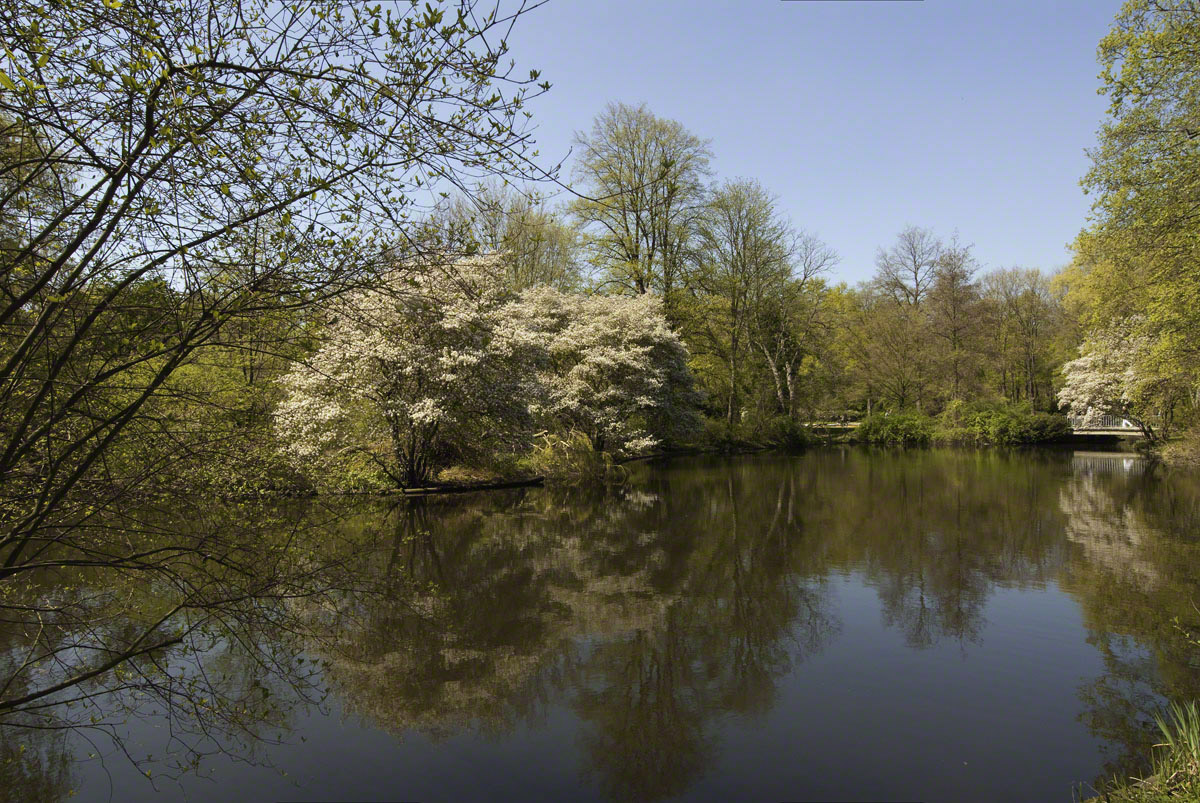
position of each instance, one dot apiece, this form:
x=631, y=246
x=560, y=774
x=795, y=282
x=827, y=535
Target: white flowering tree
x=432, y=367
x=615, y=370
x=1112, y=376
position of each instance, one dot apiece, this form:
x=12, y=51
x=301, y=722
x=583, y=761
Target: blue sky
x=862, y=117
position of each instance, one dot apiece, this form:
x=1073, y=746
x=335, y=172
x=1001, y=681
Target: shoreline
x=539, y=481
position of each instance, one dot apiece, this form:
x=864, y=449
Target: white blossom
x=615, y=370
x=445, y=363
x=427, y=368
x=1111, y=375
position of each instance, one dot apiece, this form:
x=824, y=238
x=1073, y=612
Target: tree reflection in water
x=654, y=610
x=1136, y=574
x=226, y=672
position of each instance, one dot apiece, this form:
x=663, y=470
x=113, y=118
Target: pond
x=846, y=624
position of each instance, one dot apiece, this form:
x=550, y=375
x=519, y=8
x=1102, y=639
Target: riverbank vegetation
x=961, y=423
x=1176, y=763
x=182, y=204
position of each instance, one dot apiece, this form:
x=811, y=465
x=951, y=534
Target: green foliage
x=787, y=433
x=570, y=458
x=755, y=317
x=929, y=328
x=717, y=435
x=899, y=428
x=1139, y=257
x=1181, y=734
x=1176, y=773
x=643, y=177
x=251, y=466
x=537, y=244
x=754, y=432
x=159, y=268
x=998, y=424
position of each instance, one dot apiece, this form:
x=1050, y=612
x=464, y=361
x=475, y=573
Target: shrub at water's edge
x=992, y=424
x=445, y=367
x=753, y=434
x=571, y=458
x=980, y=423
x=905, y=429
x=784, y=432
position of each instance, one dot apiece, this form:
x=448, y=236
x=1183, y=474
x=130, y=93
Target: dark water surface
x=846, y=624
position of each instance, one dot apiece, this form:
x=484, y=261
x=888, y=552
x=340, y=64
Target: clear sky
x=862, y=117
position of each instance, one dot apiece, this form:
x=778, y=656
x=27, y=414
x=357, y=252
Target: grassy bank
x=1183, y=451
x=1176, y=770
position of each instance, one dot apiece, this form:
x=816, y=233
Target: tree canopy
x=1138, y=258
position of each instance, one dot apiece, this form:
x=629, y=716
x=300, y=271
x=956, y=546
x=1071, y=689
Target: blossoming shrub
x=430, y=369
x=1115, y=375
x=615, y=371
x=445, y=365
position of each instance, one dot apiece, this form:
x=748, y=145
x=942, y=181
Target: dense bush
x=909, y=429
x=785, y=432
x=446, y=366
x=998, y=424
x=571, y=458
x=716, y=435
x=777, y=431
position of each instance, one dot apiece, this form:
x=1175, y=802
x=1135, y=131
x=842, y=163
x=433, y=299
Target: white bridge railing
x=1104, y=422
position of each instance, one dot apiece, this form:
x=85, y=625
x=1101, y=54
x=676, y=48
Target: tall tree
x=953, y=305
x=536, y=243
x=743, y=253
x=899, y=337
x=1026, y=321
x=884, y=342
x=642, y=178
x=906, y=270
x=790, y=323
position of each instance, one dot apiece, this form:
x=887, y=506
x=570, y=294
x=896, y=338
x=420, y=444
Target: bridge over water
x=1106, y=428
x=1107, y=425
